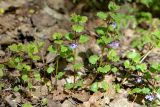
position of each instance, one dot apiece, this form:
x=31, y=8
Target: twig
x=146, y=55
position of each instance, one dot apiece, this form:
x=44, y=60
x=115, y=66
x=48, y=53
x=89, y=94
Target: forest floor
x=31, y=20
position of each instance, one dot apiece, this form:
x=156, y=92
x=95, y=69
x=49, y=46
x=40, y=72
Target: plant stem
x=100, y=63
x=74, y=62
x=101, y=59
x=145, y=56
x=57, y=64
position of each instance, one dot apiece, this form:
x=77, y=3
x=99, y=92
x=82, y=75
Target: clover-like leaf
x=104, y=85
x=114, y=69
x=112, y=6
x=83, y=19
x=94, y=87
x=83, y=38
x=57, y=36
x=113, y=56
x=69, y=36
x=134, y=56
x=69, y=86
x=145, y=90
x=93, y=59
x=136, y=90
x=78, y=66
x=104, y=69
x=78, y=18
x=25, y=77
x=64, y=48
x=27, y=105
x=141, y=67
x=50, y=69
x=37, y=76
x=127, y=64
x=52, y=49
x=78, y=28
x=60, y=75
x=79, y=83
x=102, y=15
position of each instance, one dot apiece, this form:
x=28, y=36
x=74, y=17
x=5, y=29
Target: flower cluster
x=114, y=25
x=73, y=46
x=150, y=97
x=138, y=79
x=114, y=44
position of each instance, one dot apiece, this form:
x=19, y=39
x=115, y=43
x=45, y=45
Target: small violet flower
x=138, y=79
x=73, y=46
x=114, y=25
x=149, y=97
x=114, y=44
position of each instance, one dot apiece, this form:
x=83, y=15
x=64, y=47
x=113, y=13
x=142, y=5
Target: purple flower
x=73, y=46
x=114, y=25
x=138, y=79
x=149, y=97
x=114, y=44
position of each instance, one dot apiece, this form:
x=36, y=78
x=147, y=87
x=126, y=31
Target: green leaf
x=25, y=77
x=69, y=86
x=27, y=105
x=1, y=73
x=52, y=49
x=35, y=57
x=84, y=19
x=78, y=19
x=155, y=67
x=26, y=67
x=145, y=90
x=141, y=67
x=113, y=7
x=104, y=85
x=83, y=39
x=70, y=59
x=78, y=28
x=78, y=66
x=101, y=31
x=37, y=76
x=104, y=69
x=75, y=18
x=113, y=56
x=50, y=69
x=59, y=42
x=102, y=15
x=114, y=69
x=94, y=87
x=157, y=78
x=117, y=88
x=44, y=101
x=16, y=48
x=146, y=2
x=1, y=86
x=69, y=36
x=93, y=59
x=30, y=85
x=78, y=84
x=16, y=88
x=60, y=75
x=134, y=56
x=127, y=64
x=64, y=48
x=158, y=90
x=136, y=90
x=57, y=36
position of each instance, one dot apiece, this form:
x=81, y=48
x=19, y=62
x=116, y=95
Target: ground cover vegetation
x=73, y=68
